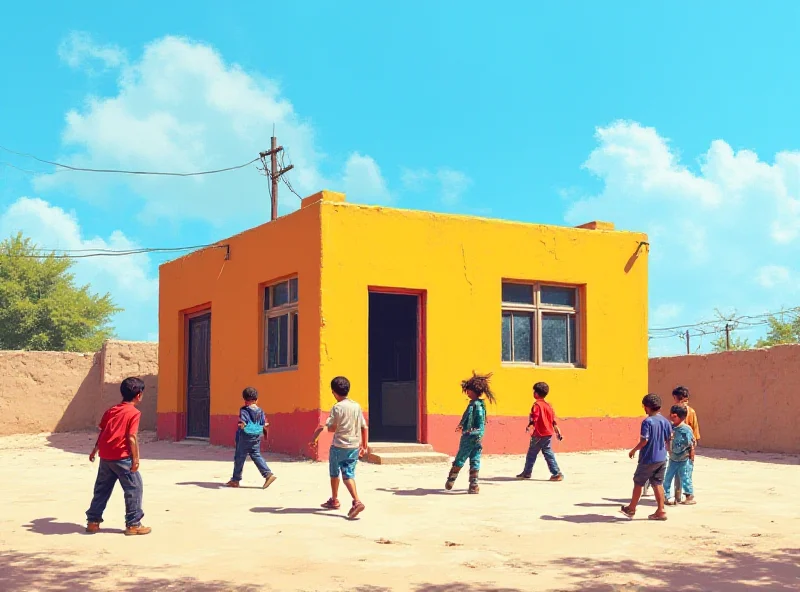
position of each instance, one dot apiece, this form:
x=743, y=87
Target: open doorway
x=394, y=373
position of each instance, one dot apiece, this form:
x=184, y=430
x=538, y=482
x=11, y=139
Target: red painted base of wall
x=289, y=433
x=506, y=435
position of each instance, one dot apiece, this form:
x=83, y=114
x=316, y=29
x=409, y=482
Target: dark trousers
x=108, y=473
x=541, y=444
x=248, y=447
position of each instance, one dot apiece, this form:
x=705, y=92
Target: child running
x=250, y=430
x=350, y=441
x=118, y=447
x=681, y=397
x=652, y=448
x=681, y=455
x=544, y=424
x=472, y=427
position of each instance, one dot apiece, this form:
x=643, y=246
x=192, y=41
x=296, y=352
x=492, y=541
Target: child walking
x=249, y=432
x=544, y=424
x=472, y=427
x=652, y=448
x=350, y=441
x=118, y=447
x=681, y=397
x=681, y=455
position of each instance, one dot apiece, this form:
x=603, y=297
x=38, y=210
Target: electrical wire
x=125, y=172
x=88, y=253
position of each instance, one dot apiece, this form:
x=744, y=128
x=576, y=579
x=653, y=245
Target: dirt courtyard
x=744, y=534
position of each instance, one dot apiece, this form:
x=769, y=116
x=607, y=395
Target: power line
x=88, y=253
x=121, y=171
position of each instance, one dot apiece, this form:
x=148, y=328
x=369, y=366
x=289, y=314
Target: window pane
x=266, y=298
x=273, y=342
x=518, y=293
x=277, y=341
x=280, y=294
x=294, y=339
x=554, y=339
x=523, y=342
x=506, y=336
x=558, y=296
x=293, y=290
x=573, y=340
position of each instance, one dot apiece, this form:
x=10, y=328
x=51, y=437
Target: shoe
x=451, y=478
x=524, y=476
x=137, y=530
x=92, y=527
x=558, y=477
x=473, y=482
x=671, y=502
x=232, y=483
x=269, y=480
x=355, y=510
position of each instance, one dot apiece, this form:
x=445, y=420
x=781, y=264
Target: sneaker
x=269, y=480
x=136, y=530
x=232, y=483
x=524, y=476
x=558, y=477
x=356, y=509
x=92, y=527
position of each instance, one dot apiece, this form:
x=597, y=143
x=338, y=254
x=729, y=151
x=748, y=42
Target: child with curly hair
x=472, y=427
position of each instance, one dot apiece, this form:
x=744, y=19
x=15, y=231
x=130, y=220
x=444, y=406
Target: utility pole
x=727, y=336
x=273, y=173
x=688, y=349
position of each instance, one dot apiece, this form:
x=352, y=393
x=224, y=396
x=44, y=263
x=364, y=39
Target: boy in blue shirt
x=251, y=429
x=655, y=434
x=681, y=457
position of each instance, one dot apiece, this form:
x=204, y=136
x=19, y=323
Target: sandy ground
x=744, y=534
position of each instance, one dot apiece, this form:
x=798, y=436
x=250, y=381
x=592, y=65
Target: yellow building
x=406, y=304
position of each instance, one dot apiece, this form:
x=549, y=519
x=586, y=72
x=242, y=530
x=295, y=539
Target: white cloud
x=714, y=225
x=771, y=276
x=128, y=278
x=79, y=50
x=363, y=181
x=665, y=313
x=451, y=184
x=180, y=107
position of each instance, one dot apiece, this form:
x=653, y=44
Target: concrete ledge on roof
x=597, y=225
x=323, y=195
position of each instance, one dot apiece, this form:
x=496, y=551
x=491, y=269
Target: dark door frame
x=203, y=310
x=422, y=407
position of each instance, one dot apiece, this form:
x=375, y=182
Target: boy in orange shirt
x=680, y=394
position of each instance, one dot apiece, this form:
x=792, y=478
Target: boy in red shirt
x=119, y=460
x=543, y=422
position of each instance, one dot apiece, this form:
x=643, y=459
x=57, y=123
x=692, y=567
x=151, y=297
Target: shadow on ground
x=51, y=527
x=731, y=572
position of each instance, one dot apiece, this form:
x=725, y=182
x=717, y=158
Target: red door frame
x=422, y=369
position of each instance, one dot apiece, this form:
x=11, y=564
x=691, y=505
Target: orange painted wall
x=288, y=246
x=461, y=262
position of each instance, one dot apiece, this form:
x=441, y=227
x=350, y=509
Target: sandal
x=627, y=511
x=658, y=517
x=689, y=501
x=671, y=503
x=332, y=504
x=357, y=508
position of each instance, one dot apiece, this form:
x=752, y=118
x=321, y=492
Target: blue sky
x=680, y=121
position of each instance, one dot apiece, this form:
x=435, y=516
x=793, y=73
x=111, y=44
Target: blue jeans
x=541, y=444
x=342, y=460
x=248, y=447
x=470, y=447
x=681, y=472
x=108, y=473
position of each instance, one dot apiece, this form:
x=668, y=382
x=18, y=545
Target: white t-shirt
x=346, y=419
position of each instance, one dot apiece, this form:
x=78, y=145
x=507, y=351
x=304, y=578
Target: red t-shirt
x=542, y=418
x=117, y=424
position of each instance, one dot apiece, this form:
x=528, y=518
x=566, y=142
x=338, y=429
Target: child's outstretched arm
x=95, y=450
x=642, y=443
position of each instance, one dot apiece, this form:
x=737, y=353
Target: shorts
x=653, y=472
x=343, y=460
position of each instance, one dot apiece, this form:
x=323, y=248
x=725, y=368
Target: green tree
x=41, y=308
x=719, y=344
x=783, y=328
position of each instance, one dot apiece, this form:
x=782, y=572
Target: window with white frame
x=280, y=325
x=540, y=324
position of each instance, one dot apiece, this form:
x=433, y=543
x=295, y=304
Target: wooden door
x=198, y=396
